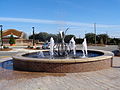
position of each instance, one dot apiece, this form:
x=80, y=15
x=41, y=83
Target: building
x=20, y=37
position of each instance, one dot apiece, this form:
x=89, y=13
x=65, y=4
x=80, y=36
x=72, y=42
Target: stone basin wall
x=64, y=65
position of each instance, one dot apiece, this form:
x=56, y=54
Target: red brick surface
x=62, y=67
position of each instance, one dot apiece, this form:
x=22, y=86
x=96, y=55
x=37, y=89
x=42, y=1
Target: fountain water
x=64, y=49
x=62, y=46
x=84, y=48
x=51, y=47
x=40, y=54
x=73, y=46
x=61, y=34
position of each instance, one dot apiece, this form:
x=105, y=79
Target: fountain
x=84, y=48
x=64, y=59
x=73, y=46
x=51, y=47
x=61, y=50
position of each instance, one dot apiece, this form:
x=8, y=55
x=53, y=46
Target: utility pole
x=79, y=36
x=33, y=36
x=1, y=35
x=95, y=32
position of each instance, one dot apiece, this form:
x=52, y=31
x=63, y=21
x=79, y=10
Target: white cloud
x=8, y=19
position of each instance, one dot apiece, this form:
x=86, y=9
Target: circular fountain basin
x=64, y=65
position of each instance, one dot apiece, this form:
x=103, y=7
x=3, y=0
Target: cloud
x=8, y=19
x=26, y=20
x=42, y=21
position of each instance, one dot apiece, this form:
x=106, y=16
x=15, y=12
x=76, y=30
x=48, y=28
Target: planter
x=12, y=44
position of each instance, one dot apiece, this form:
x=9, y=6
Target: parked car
x=46, y=46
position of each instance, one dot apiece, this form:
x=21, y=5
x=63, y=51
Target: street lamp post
x=1, y=36
x=33, y=36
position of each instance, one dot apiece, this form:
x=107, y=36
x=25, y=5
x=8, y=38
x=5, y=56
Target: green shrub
x=12, y=40
x=5, y=47
x=28, y=46
x=31, y=47
x=37, y=47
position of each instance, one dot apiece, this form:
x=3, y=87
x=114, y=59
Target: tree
x=102, y=38
x=12, y=40
x=68, y=38
x=52, y=35
x=114, y=41
x=42, y=36
x=90, y=37
x=78, y=40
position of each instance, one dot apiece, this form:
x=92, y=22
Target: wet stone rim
x=106, y=55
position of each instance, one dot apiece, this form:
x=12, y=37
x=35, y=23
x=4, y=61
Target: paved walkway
x=107, y=79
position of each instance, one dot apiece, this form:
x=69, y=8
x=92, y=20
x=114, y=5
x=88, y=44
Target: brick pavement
x=107, y=79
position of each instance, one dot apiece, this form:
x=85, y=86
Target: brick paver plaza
x=107, y=79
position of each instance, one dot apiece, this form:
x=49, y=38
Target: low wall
x=64, y=65
x=20, y=42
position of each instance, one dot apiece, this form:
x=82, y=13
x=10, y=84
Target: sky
x=56, y=15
